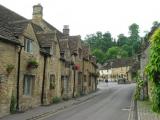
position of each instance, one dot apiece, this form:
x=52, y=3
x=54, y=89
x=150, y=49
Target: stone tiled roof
x=45, y=39
x=6, y=34
x=8, y=15
x=59, y=34
x=116, y=63
x=73, y=43
x=18, y=27
x=63, y=45
x=7, y=28
x=135, y=66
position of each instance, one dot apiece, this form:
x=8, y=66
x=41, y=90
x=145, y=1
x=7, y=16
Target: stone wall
x=8, y=56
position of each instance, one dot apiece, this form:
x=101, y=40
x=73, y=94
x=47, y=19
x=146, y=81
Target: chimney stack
x=37, y=12
x=66, y=30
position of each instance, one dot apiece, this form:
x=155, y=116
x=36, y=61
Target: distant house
x=117, y=68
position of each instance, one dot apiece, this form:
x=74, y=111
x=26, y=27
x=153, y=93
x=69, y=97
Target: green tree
x=134, y=38
x=99, y=55
x=122, y=40
x=128, y=49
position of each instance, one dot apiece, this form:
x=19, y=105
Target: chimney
x=37, y=12
x=66, y=30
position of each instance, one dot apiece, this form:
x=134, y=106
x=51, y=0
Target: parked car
x=121, y=81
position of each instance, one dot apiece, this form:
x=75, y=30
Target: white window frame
x=28, y=45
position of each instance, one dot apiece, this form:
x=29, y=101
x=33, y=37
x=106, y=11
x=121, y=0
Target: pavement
x=144, y=111
x=42, y=111
x=110, y=102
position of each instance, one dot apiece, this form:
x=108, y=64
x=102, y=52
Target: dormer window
x=49, y=50
x=28, y=45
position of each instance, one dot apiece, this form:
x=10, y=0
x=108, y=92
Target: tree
x=128, y=49
x=99, y=55
x=134, y=38
x=122, y=40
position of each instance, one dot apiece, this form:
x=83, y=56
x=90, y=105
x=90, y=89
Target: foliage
x=115, y=52
x=102, y=44
x=13, y=104
x=134, y=38
x=9, y=68
x=155, y=98
x=139, y=86
x=56, y=99
x=32, y=64
x=153, y=70
x=99, y=55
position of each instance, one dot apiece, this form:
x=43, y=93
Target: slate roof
x=9, y=16
x=116, y=63
x=73, y=43
x=59, y=34
x=45, y=39
x=18, y=27
x=135, y=66
x=7, y=29
x=6, y=34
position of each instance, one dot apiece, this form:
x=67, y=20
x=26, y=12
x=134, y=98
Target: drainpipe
x=43, y=82
x=74, y=82
x=83, y=78
x=18, y=77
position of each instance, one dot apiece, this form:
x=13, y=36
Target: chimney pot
x=66, y=30
x=37, y=11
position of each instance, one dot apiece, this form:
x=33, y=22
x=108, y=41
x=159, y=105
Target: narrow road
x=112, y=103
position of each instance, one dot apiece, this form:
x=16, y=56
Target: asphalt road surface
x=112, y=103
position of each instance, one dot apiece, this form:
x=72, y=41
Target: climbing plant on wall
x=153, y=69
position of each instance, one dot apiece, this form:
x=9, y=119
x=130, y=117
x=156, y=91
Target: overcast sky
x=89, y=16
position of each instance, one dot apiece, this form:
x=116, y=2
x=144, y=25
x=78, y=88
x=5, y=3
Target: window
x=28, y=45
x=28, y=84
x=52, y=81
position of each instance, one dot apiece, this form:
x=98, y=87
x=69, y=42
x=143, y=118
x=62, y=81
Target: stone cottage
x=48, y=37
x=38, y=62
x=66, y=65
x=9, y=47
x=26, y=84
x=89, y=67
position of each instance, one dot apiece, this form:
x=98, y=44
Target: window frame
x=28, y=45
x=28, y=90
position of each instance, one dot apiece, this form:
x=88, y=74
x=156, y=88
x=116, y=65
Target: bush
x=153, y=70
x=139, y=86
x=155, y=99
x=13, y=104
x=56, y=99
